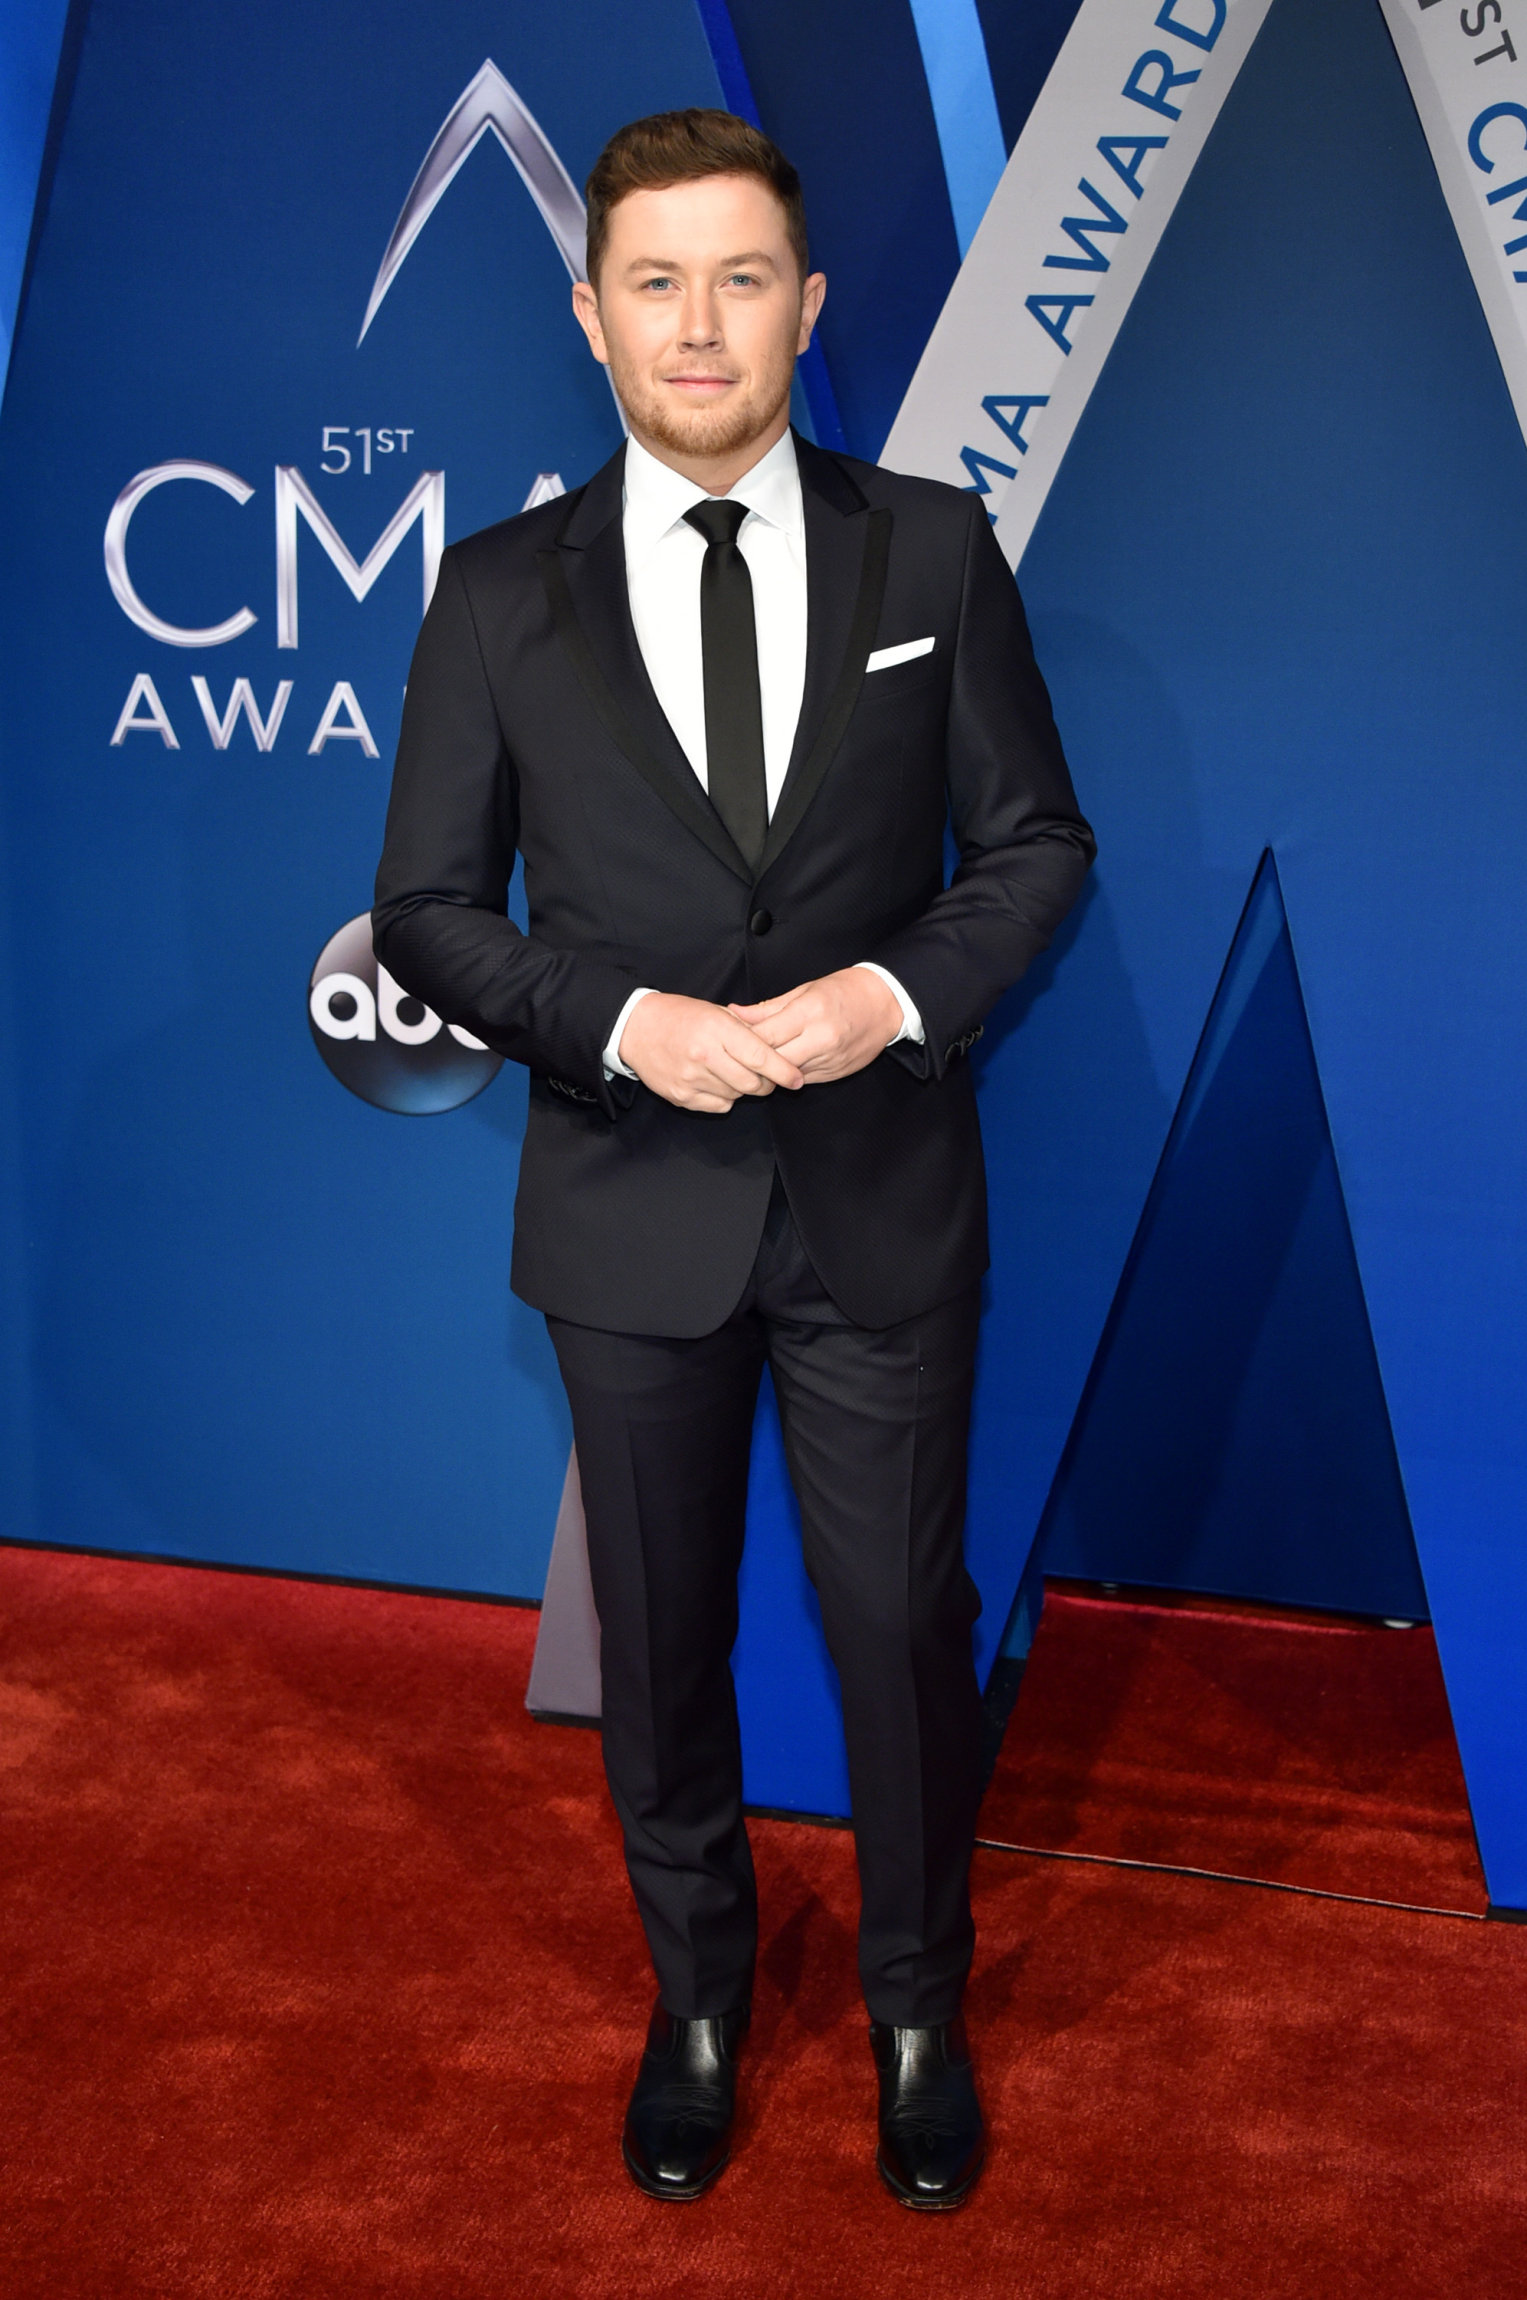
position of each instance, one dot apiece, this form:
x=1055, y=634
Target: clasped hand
x=703, y=1057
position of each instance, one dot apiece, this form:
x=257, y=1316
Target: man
x=723, y=700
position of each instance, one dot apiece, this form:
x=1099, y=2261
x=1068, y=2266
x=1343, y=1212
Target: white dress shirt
x=663, y=560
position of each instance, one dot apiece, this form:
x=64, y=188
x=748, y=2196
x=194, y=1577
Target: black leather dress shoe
x=932, y=2139
x=678, y=2130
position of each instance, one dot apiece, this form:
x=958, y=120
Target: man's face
x=699, y=315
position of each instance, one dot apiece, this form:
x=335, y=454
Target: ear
x=812, y=292
x=586, y=312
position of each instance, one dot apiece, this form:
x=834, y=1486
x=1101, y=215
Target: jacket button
x=760, y=922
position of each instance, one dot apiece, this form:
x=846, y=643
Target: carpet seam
x=1230, y=1877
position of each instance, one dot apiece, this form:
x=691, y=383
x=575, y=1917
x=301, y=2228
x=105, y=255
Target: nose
x=700, y=325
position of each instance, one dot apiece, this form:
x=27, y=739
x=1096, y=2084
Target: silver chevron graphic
x=488, y=102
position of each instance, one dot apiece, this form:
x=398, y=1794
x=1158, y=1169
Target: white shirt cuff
x=613, y=1066
x=911, y=1020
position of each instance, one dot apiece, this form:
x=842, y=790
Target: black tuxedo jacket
x=530, y=724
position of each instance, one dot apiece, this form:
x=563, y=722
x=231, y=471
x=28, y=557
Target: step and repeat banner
x=1239, y=360
x=298, y=313
x=1114, y=134
x=1066, y=239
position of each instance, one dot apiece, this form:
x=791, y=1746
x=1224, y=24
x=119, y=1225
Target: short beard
x=699, y=432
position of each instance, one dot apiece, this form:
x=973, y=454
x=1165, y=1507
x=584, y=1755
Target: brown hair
x=680, y=148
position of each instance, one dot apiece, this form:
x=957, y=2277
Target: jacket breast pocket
x=896, y=681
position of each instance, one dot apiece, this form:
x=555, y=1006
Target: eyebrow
x=727, y=263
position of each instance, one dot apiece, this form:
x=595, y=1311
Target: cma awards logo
x=390, y=1049
x=488, y=105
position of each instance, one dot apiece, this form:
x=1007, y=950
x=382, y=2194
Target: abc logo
x=388, y=1048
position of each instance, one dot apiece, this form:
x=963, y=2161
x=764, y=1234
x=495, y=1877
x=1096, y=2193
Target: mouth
x=701, y=386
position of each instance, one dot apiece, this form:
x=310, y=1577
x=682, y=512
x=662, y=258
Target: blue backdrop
x=266, y=1322
x=1277, y=590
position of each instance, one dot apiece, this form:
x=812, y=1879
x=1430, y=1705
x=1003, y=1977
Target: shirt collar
x=657, y=496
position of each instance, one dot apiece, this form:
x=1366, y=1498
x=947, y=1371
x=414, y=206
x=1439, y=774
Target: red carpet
x=1309, y=1750
x=306, y=1924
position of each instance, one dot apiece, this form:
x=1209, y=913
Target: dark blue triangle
x=1233, y=1436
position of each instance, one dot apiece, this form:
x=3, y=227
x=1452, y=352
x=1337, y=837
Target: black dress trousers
x=875, y=1423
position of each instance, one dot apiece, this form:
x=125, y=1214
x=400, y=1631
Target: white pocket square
x=884, y=657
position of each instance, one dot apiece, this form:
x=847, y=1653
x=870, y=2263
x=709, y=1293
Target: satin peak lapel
x=585, y=579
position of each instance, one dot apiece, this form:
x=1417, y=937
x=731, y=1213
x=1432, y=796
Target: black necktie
x=734, y=752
